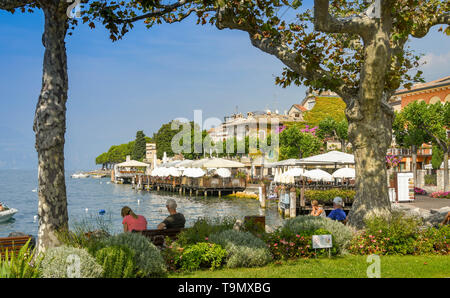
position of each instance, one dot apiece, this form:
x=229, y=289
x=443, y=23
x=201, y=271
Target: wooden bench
x=158, y=236
x=12, y=245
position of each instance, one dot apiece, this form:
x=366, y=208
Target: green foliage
x=327, y=196
x=400, y=234
x=437, y=158
x=147, y=256
x=430, y=179
x=202, y=255
x=139, y=149
x=184, y=135
x=326, y=108
x=204, y=227
x=23, y=265
x=329, y=127
x=306, y=225
x=297, y=144
x=244, y=249
x=62, y=262
x=117, y=262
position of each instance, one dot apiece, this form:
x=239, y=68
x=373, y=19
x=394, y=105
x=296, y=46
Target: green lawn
x=338, y=267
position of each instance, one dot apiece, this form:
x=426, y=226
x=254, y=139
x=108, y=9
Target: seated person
x=131, y=221
x=1, y=207
x=317, y=210
x=174, y=220
x=446, y=220
x=337, y=213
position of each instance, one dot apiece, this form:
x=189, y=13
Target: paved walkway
x=426, y=202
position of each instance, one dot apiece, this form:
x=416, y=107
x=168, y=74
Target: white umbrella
x=174, y=172
x=344, y=173
x=224, y=173
x=295, y=172
x=194, y=172
x=318, y=174
x=216, y=163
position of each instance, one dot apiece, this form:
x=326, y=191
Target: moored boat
x=80, y=175
x=7, y=214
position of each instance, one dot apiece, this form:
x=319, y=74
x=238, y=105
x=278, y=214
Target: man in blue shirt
x=337, y=213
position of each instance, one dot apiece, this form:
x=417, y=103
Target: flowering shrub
x=202, y=255
x=243, y=248
x=172, y=254
x=392, y=160
x=400, y=234
x=285, y=247
x=419, y=191
x=310, y=130
x=441, y=194
x=61, y=262
x=147, y=256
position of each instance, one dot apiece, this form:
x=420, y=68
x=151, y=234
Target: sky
x=143, y=81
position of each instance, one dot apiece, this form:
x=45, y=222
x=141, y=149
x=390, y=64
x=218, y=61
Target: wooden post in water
x=220, y=193
x=293, y=202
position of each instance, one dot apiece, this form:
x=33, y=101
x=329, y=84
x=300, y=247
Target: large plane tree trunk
x=370, y=128
x=50, y=127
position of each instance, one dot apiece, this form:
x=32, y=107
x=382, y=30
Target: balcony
x=407, y=152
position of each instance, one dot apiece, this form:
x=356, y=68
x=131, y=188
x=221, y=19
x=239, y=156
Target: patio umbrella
x=194, y=172
x=174, y=172
x=224, y=173
x=344, y=173
x=318, y=174
x=295, y=172
x=216, y=163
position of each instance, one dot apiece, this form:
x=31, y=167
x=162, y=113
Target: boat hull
x=7, y=215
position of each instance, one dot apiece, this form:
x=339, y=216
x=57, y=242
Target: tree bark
x=446, y=178
x=414, y=162
x=50, y=127
x=370, y=127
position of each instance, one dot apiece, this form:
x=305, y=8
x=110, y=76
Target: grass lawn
x=338, y=267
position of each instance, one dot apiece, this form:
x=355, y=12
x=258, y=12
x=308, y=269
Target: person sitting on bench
x=131, y=221
x=446, y=220
x=174, y=220
x=337, y=213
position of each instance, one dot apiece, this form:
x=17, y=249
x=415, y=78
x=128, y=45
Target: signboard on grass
x=321, y=241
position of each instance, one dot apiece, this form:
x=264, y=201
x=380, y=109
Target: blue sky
x=143, y=81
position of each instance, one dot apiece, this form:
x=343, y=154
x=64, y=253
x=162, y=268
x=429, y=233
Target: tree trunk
x=446, y=182
x=370, y=128
x=414, y=163
x=50, y=127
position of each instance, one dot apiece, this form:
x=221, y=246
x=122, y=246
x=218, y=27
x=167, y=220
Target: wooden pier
x=203, y=186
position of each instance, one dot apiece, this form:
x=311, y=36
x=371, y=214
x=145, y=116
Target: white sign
x=321, y=241
x=405, y=187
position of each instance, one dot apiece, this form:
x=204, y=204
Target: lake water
x=18, y=190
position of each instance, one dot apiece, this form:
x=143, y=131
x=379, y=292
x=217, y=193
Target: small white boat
x=79, y=175
x=7, y=214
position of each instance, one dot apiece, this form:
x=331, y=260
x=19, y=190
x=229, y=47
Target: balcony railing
x=407, y=152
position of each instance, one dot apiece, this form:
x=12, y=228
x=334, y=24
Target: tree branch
x=324, y=22
x=421, y=31
x=13, y=4
x=164, y=9
x=276, y=47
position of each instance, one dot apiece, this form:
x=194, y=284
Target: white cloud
x=436, y=65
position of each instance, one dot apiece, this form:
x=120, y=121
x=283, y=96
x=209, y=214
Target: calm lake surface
x=18, y=189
